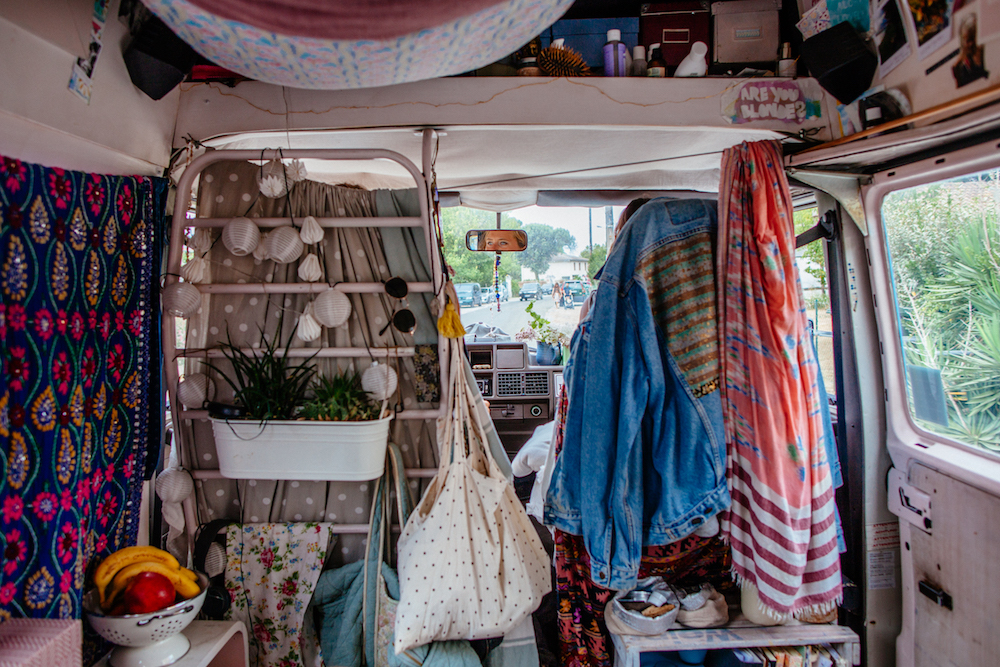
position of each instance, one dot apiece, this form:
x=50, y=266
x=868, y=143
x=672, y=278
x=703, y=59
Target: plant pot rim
x=289, y=422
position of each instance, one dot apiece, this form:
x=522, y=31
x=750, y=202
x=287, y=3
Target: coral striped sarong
x=781, y=525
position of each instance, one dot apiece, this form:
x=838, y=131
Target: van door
x=934, y=259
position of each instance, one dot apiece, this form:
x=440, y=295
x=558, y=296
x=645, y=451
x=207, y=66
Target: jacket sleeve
x=615, y=393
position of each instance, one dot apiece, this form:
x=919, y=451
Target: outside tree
x=944, y=241
x=544, y=243
x=595, y=259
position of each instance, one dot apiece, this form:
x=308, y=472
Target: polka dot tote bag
x=470, y=563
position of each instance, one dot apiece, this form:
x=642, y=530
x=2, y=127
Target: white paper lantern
x=271, y=179
x=332, y=308
x=196, y=270
x=240, y=236
x=309, y=328
x=309, y=269
x=284, y=245
x=296, y=171
x=311, y=231
x=173, y=485
x=201, y=241
x=215, y=560
x=380, y=381
x=194, y=390
x=180, y=299
x=260, y=252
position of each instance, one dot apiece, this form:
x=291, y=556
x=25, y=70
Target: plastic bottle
x=614, y=55
x=694, y=63
x=656, y=66
x=786, y=65
x=638, y=61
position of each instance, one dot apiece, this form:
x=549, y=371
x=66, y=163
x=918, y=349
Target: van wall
x=927, y=90
x=121, y=131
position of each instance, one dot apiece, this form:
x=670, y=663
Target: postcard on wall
x=816, y=20
x=890, y=35
x=855, y=12
x=932, y=23
x=760, y=99
x=971, y=63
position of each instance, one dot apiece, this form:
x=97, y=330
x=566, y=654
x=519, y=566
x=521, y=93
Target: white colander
x=146, y=640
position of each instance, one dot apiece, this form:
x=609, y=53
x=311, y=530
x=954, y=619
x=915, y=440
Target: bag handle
x=378, y=523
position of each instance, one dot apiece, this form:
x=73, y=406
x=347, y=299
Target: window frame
x=905, y=437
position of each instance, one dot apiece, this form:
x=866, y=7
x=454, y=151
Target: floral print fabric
x=271, y=573
x=79, y=345
x=453, y=47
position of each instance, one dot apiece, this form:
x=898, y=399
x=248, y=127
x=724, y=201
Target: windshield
x=565, y=246
x=464, y=288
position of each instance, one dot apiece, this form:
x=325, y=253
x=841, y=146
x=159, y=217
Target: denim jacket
x=643, y=455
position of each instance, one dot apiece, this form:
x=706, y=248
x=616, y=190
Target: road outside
x=512, y=317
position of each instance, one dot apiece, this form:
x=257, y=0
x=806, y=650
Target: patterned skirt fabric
x=583, y=637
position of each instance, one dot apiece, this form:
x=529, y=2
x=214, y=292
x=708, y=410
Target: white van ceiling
x=502, y=167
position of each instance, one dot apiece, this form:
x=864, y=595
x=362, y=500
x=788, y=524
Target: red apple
x=147, y=592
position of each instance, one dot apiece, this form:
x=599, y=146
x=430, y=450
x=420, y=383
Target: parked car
x=469, y=294
x=488, y=294
x=578, y=289
x=546, y=288
x=531, y=291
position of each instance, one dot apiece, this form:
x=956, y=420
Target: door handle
x=935, y=594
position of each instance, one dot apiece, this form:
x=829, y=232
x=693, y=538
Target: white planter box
x=305, y=450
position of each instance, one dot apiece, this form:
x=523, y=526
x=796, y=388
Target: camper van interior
x=247, y=420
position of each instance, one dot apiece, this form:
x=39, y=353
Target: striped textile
x=781, y=525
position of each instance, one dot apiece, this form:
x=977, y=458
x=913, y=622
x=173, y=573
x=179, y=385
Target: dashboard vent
x=509, y=384
x=536, y=384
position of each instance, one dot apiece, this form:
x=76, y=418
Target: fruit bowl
x=146, y=640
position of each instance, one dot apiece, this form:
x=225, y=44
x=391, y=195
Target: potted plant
x=294, y=425
x=548, y=339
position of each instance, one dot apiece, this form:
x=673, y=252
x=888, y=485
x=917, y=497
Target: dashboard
x=521, y=395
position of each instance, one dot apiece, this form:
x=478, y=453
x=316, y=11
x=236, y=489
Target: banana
x=189, y=574
x=184, y=586
x=122, y=558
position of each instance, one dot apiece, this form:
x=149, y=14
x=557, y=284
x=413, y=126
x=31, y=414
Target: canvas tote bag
x=470, y=563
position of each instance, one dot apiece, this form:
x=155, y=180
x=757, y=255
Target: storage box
x=676, y=26
x=588, y=36
x=746, y=31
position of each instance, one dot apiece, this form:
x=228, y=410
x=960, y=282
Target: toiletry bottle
x=656, y=66
x=786, y=65
x=638, y=61
x=694, y=63
x=614, y=55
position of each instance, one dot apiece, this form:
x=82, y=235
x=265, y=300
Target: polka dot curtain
x=79, y=335
x=347, y=255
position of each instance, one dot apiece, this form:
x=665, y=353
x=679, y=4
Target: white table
x=738, y=633
x=213, y=643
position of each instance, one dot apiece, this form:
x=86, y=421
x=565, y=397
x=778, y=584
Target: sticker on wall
x=787, y=101
x=83, y=69
x=890, y=35
x=932, y=23
x=815, y=20
x=971, y=61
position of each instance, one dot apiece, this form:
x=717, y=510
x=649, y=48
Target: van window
x=944, y=249
x=811, y=262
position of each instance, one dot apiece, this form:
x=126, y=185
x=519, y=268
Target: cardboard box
x=676, y=26
x=746, y=31
x=588, y=36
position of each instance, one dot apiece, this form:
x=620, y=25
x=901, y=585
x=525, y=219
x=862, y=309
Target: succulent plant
x=339, y=398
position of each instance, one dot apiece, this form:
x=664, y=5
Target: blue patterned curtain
x=79, y=337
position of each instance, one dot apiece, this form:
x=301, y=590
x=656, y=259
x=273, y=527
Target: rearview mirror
x=496, y=240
